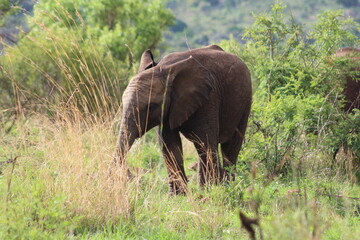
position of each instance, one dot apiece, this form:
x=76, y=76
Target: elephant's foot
x=215, y=177
x=228, y=176
x=211, y=176
x=178, y=188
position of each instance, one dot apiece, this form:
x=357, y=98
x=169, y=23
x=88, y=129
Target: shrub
x=296, y=111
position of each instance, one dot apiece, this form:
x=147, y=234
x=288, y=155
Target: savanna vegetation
x=201, y=22
x=298, y=173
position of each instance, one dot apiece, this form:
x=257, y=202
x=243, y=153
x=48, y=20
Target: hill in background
x=12, y=19
x=201, y=22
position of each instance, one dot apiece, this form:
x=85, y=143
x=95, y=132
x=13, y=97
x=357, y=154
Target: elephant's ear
x=146, y=61
x=190, y=89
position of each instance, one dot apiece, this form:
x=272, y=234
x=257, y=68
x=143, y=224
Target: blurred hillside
x=201, y=22
x=12, y=19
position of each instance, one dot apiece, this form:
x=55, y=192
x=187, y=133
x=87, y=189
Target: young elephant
x=205, y=94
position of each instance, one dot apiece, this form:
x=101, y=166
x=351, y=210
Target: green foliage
x=79, y=54
x=126, y=27
x=36, y=217
x=334, y=30
x=151, y=156
x=28, y=212
x=298, y=92
x=218, y=19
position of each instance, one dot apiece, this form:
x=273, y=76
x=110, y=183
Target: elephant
x=351, y=88
x=352, y=84
x=205, y=94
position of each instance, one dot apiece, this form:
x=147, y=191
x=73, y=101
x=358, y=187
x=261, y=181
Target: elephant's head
x=169, y=91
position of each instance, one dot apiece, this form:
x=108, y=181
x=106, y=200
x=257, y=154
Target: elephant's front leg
x=173, y=155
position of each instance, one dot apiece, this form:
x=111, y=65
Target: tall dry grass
x=80, y=160
x=76, y=140
x=86, y=81
x=74, y=162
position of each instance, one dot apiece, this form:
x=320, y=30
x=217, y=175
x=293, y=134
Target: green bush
x=79, y=55
x=297, y=107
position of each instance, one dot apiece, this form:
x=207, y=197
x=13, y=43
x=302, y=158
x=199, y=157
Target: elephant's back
x=348, y=51
x=201, y=54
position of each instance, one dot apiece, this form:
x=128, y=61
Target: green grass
x=61, y=188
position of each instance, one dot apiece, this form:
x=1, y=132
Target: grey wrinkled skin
x=203, y=93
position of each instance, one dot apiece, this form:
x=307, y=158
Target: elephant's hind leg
x=173, y=155
x=230, y=150
x=209, y=165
